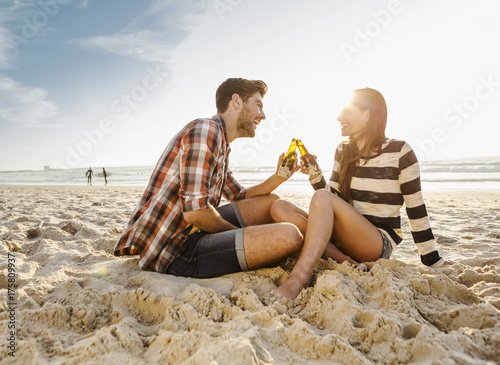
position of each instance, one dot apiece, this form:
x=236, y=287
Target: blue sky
x=109, y=82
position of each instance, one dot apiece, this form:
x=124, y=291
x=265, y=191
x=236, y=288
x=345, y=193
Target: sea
x=465, y=174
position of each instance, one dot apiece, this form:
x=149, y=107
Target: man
x=105, y=175
x=178, y=227
x=89, y=175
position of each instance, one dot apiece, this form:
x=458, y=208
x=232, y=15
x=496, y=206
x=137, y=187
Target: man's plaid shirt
x=191, y=174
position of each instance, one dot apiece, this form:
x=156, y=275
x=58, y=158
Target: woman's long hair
x=373, y=134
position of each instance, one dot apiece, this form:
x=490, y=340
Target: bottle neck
x=291, y=149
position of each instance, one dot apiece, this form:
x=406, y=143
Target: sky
x=109, y=82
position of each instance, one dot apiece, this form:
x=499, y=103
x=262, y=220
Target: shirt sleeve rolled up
x=200, y=150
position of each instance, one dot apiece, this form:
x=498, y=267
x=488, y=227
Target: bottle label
x=316, y=179
x=285, y=172
x=314, y=171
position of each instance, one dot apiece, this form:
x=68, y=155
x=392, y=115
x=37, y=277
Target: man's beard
x=244, y=124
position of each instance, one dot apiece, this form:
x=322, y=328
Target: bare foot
x=361, y=267
x=291, y=288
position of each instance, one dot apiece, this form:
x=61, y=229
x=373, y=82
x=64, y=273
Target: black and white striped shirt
x=381, y=185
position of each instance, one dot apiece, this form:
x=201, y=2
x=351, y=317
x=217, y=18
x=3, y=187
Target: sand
x=76, y=303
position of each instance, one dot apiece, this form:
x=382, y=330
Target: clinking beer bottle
x=286, y=167
x=315, y=173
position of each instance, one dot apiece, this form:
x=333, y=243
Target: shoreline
x=285, y=188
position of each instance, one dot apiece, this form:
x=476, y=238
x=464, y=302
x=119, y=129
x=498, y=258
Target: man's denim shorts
x=207, y=255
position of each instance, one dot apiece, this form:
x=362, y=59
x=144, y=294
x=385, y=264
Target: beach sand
x=76, y=303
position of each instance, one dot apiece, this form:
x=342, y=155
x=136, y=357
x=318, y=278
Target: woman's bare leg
x=328, y=213
x=283, y=211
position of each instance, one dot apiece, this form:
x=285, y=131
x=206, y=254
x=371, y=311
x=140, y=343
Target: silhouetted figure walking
x=89, y=174
x=105, y=175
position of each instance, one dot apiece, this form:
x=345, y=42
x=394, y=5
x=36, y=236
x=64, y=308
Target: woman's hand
x=303, y=167
x=303, y=164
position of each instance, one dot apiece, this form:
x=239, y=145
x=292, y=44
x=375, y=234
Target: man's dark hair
x=243, y=87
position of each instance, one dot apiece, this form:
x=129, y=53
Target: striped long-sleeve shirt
x=192, y=174
x=381, y=185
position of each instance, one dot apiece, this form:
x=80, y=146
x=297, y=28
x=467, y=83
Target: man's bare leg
x=333, y=252
x=269, y=243
x=284, y=211
x=257, y=210
x=328, y=213
x=266, y=242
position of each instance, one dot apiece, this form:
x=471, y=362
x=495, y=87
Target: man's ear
x=236, y=101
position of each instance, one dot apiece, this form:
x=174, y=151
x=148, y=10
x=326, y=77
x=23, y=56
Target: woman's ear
x=367, y=115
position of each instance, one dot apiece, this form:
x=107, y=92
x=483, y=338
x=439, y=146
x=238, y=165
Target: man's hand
x=208, y=220
x=295, y=168
x=275, y=180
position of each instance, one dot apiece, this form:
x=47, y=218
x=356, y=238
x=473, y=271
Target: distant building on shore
x=46, y=168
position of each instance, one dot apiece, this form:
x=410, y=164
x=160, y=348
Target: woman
x=372, y=177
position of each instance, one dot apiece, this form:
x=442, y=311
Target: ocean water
x=470, y=174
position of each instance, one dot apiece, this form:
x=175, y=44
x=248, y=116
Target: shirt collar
x=218, y=119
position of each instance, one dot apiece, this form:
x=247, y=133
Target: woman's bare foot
x=291, y=288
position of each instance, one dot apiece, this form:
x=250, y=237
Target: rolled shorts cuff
x=237, y=214
x=240, y=250
x=238, y=239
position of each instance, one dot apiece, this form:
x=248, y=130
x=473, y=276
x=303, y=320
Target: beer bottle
x=286, y=167
x=315, y=173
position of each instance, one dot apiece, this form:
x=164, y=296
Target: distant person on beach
x=89, y=175
x=359, y=209
x=178, y=226
x=105, y=175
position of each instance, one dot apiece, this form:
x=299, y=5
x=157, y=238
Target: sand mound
x=76, y=303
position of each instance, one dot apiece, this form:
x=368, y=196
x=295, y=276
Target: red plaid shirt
x=191, y=174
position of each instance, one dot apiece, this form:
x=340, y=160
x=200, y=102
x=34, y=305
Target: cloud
x=83, y=4
x=14, y=14
x=10, y=14
x=23, y=105
x=145, y=45
x=152, y=35
x=9, y=6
